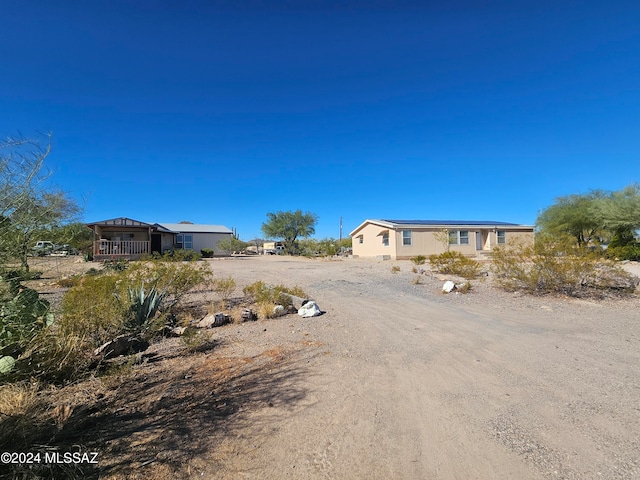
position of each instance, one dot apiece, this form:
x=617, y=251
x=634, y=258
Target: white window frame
x=361, y=239
x=385, y=238
x=184, y=241
x=406, y=237
x=456, y=237
x=501, y=237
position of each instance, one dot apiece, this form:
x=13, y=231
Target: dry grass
x=18, y=399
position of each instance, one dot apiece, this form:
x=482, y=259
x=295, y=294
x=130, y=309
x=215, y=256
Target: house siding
x=208, y=240
x=425, y=241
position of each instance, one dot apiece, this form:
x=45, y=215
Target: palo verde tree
x=597, y=214
x=28, y=205
x=289, y=226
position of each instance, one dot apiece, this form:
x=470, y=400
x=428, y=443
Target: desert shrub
x=455, y=263
x=626, y=252
x=206, y=252
x=418, y=260
x=263, y=293
x=182, y=256
x=174, y=279
x=115, y=265
x=224, y=287
x=395, y=269
x=558, y=265
x=94, y=310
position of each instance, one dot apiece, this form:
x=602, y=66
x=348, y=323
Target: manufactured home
x=125, y=238
x=403, y=239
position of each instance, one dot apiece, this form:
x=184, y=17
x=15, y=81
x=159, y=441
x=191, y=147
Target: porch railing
x=122, y=248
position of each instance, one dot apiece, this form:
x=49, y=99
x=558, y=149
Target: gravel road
x=402, y=381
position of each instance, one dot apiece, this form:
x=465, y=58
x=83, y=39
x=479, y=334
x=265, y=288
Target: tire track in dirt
x=422, y=386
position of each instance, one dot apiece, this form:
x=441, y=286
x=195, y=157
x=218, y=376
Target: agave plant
x=144, y=306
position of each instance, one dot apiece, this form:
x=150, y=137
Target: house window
x=360, y=238
x=406, y=237
x=385, y=239
x=184, y=242
x=458, y=237
x=502, y=237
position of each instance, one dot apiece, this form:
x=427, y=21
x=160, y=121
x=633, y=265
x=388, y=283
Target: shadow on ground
x=164, y=419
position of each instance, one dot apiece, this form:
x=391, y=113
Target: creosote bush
x=261, y=292
x=455, y=263
x=558, y=265
x=418, y=260
x=267, y=297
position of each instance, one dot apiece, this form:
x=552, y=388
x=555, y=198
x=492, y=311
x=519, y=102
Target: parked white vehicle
x=44, y=247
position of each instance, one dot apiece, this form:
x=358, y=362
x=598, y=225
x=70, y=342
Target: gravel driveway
x=406, y=382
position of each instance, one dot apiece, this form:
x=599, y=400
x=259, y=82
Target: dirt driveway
x=401, y=381
x=395, y=381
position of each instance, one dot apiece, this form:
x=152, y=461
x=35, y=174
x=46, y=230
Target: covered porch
x=128, y=239
x=115, y=249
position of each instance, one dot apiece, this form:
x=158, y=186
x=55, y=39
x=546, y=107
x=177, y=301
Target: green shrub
x=626, y=252
x=455, y=263
x=262, y=293
x=418, y=260
x=175, y=279
x=224, y=287
x=94, y=311
x=115, y=265
x=558, y=265
x=395, y=269
x=207, y=252
x=184, y=256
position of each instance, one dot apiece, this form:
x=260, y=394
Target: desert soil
x=394, y=381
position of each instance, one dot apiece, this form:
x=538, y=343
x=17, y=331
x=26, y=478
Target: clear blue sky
x=219, y=112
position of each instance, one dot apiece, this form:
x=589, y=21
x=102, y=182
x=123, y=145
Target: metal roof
x=195, y=228
x=449, y=222
x=441, y=224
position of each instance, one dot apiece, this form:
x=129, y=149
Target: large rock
x=448, y=286
x=214, y=320
x=309, y=309
x=121, y=345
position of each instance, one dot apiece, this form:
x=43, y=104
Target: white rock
x=309, y=309
x=448, y=286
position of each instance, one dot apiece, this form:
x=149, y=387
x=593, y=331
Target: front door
x=156, y=243
x=479, y=241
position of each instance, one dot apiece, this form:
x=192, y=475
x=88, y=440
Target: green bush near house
x=207, y=252
x=455, y=263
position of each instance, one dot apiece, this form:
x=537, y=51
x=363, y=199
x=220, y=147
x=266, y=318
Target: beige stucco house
x=403, y=239
x=125, y=238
